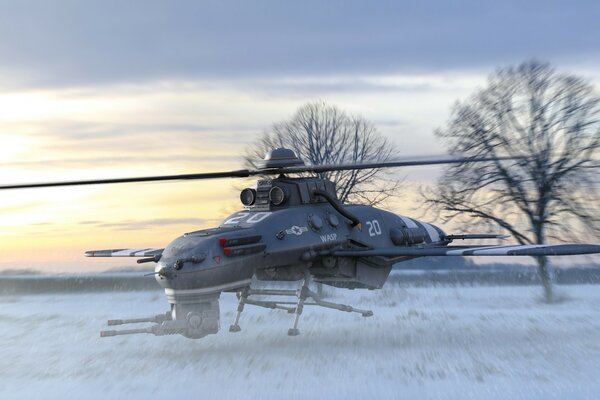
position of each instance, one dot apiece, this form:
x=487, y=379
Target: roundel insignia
x=296, y=230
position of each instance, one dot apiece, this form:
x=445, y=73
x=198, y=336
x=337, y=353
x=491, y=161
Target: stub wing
x=521, y=250
x=148, y=252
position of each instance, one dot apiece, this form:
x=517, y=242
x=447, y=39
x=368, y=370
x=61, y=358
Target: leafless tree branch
x=551, y=119
x=323, y=134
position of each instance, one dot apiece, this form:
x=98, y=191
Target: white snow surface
x=422, y=343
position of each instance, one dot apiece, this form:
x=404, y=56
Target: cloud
x=234, y=161
x=133, y=225
x=57, y=143
x=318, y=86
x=20, y=207
x=70, y=43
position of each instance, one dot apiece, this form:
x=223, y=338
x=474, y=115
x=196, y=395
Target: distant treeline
x=495, y=275
x=453, y=273
x=460, y=262
x=74, y=283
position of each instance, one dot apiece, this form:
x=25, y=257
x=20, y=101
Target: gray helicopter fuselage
x=288, y=230
x=282, y=242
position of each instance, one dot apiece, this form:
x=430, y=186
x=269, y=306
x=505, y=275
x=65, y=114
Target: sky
x=101, y=89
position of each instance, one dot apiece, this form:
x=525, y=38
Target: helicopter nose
x=162, y=271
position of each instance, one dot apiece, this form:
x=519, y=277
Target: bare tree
x=549, y=118
x=323, y=134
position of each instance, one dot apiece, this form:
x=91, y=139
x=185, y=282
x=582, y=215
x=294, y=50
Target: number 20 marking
x=257, y=217
x=238, y=218
x=374, y=228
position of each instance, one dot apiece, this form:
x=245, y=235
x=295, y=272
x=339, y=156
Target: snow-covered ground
x=433, y=343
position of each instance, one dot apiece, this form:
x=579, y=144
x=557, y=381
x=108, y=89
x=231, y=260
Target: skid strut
x=292, y=307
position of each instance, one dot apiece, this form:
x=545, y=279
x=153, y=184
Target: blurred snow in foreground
x=433, y=343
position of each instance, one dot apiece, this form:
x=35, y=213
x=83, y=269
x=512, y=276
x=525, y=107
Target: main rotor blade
x=244, y=173
x=392, y=164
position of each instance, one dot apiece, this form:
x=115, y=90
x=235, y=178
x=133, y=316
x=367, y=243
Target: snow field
x=434, y=343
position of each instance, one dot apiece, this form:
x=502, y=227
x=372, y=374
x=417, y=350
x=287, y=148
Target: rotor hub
x=280, y=158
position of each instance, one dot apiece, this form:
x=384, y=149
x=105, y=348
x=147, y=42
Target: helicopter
x=291, y=228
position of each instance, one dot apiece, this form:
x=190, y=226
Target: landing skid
x=292, y=307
